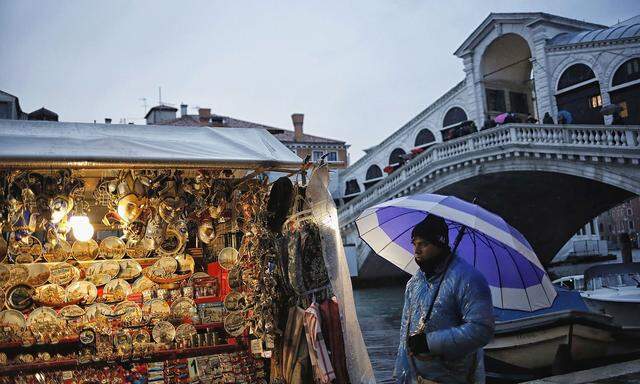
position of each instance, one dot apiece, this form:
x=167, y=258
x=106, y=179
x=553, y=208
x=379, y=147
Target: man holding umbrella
x=447, y=316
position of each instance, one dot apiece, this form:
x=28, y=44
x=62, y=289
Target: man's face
x=425, y=252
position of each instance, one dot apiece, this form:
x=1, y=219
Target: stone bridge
x=545, y=180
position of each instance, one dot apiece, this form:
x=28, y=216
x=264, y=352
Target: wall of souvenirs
x=163, y=276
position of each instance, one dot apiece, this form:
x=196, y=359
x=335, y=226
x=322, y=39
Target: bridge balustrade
x=561, y=137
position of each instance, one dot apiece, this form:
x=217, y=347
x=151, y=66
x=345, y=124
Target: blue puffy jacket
x=461, y=323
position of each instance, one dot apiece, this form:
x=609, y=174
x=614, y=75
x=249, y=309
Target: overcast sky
x=357, y=70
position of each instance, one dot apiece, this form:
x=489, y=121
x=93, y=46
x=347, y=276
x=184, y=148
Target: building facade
x=334, y=152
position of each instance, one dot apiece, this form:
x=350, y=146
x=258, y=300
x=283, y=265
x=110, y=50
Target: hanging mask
x=60, y=206
x=206, y=232
x=130, y=207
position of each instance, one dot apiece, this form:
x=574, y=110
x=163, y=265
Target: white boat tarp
x=27, y=143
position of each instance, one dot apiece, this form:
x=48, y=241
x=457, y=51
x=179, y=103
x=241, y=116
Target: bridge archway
x=395, y=156
x=625, y=90
x=578, y=91
x=425, y=136
x=507, y=79
x=547, y=201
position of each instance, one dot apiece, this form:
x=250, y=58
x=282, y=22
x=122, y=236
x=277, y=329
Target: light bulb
x=82, y=228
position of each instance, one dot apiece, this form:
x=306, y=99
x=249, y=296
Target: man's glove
x=418, y=344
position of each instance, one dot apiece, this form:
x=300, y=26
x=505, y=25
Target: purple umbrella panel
x=502, y=254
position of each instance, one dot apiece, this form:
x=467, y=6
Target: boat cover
x=27, y=143
x=565, y=300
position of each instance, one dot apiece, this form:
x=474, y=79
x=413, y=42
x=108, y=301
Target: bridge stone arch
x=547, y=200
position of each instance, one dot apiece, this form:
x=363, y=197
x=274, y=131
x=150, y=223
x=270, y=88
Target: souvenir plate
x=130, y=313
x=18, y=274
x=235, y=301
x=58, y=252
x=38, y=274
x=61, y=273
x=110, y=267
x=71, y=312
x=143, y=283
x=87, y=336
x=141, y=337
x=116, y=290
x=168, y=264
x=112, y=248
x=99, y=279
x=52, y=295
x=25, y=251
x=41, y=317
x=186, y=264
x=136, y=250
x=234, y=324
x=183, y=307
x=20, y=297
x=228, y=257
x=83, y=292
x=184, y=332
x=164, y=332
x=156, y=309
x=129, y=269
x=85, y=250
x=5, y=274
x=13, y=319
x=98, y=310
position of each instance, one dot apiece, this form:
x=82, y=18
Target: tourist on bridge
x=447, y=316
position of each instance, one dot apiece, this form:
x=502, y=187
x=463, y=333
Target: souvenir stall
x=156, y=254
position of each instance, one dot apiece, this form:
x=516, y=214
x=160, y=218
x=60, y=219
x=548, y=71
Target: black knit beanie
x=433, y=229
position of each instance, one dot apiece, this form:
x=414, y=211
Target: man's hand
x=417, y=344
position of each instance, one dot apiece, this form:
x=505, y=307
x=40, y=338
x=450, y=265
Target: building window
x=332, y=156
x=351, y=187
x=454, y=116
x=628, y=72
x=518, y=102
x=316, y=155
x=495, y=100
x=374, y=172
x=595, y=101
x=395, y=157
x=575, y=74
x=5, y=110
x=630, y=225
x=425, y=136
x=629, y=212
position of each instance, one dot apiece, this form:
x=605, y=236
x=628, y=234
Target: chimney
x=204, y=113
x=183, y=110
x=298, y=119
x=107, y=120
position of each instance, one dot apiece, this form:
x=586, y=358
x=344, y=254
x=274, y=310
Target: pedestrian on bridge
x=447, y=316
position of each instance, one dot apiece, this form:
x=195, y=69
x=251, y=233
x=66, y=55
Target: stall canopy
x=43, y=144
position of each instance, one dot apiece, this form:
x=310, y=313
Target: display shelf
x=71, y=364
x=16, y=344
x=209, y=326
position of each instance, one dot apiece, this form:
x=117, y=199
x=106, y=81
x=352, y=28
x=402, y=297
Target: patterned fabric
x=306, y=268
x=320, y=361
x=332, y=332
x=295, y=354
x=460, y=325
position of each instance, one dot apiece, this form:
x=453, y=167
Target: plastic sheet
x=326, y=216
x=27, y=143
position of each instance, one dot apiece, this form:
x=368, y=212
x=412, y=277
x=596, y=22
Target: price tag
x=256, y=346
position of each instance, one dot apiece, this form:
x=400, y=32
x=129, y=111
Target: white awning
x=44, y=144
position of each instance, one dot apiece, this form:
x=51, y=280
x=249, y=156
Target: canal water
x=379, y=311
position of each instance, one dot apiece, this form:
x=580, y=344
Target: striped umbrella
x=501, y=253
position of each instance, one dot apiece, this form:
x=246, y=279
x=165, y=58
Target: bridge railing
x=562, y=136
